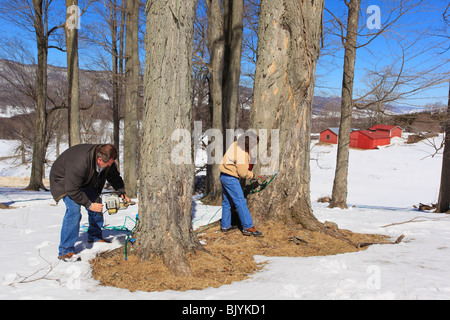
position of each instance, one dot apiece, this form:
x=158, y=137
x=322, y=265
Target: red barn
x=367, y=139
x=378, y=135
x=329, y=135
x=354, y=135
x=393, y=131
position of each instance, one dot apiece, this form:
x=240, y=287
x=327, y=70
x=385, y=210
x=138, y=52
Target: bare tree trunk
x=131, y=97
x=339, y=194
x=233, y=31
x=22, y=147
x=444, y=192
x=116, y=75
x=225, y=34
x=288, y=49
x=41, y=101
x=166, y=188
x=120, y=75
x=271, y=66
x=73, y=94
x=216, y=46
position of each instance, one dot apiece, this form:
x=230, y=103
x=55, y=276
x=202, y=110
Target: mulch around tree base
x=228, y=258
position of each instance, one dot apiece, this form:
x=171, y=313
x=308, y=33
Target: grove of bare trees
x=141, y=73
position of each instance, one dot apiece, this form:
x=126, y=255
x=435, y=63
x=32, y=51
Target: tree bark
x=216, y=47
x=166, y=188
x=73, y=94
x=131, y=97
x=40, y=28
x=444, y=192
x=233, y=33
x=225, y=34
x=288, y=49
x=339, y=194
x=116, y=71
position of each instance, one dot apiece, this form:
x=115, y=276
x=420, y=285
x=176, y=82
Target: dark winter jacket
x=75, y=170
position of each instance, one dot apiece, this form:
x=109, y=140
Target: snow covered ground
x=383, y=187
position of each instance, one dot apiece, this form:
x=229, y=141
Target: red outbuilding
x=394, y=131
x=367, y=139
x=378, y=135
x=354, y=135
x=329, y=135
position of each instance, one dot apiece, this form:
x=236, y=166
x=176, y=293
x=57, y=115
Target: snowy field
x=384, y=185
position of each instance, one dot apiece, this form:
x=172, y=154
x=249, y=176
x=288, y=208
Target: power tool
x=115, y=203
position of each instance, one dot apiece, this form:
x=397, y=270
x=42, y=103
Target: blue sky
x=381, y=52
x=425, y=50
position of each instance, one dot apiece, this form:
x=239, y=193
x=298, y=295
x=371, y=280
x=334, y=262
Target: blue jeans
x=71, y=226
x=233, y=195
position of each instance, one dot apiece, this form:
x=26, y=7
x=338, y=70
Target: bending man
x=78, y=177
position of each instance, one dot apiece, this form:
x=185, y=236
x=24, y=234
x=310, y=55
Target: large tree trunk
x=116, y=72
x=166, y=188
x=41, y=101
x=216, y=47
x=131, y=97
x=288, y=49
x=233, y=32
x=444, y=192
x=225, y=34
x=73, y=94
x=339, y=194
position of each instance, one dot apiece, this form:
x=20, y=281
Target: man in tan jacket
x=236, y=165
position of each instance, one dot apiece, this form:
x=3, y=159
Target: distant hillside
x=17, y=86
x=324, y=105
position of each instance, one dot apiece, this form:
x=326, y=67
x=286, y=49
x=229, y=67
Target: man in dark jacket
x=77, y=177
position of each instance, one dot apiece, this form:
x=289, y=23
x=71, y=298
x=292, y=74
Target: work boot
x=227, y=229
x=251, y=232
x=70, y=257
